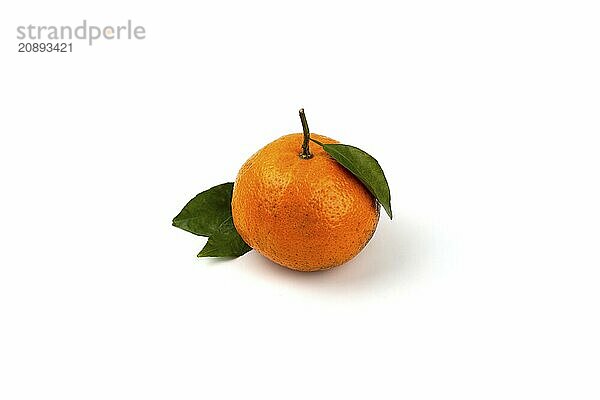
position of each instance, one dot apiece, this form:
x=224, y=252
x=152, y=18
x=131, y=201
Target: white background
x=484, y=116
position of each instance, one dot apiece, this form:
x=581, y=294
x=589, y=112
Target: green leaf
x=226, y=242
x=204, y=214
x=365, y=168
x=209, y=214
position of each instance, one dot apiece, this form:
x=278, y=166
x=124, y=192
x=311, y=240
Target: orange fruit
x=304, y=214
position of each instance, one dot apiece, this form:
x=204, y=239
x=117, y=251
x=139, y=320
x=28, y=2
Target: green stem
x=317, y=142
x=305, y=154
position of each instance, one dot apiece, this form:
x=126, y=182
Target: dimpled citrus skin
x=304, y=214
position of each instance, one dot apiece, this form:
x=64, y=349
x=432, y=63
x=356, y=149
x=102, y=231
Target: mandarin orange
x=306, y=214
